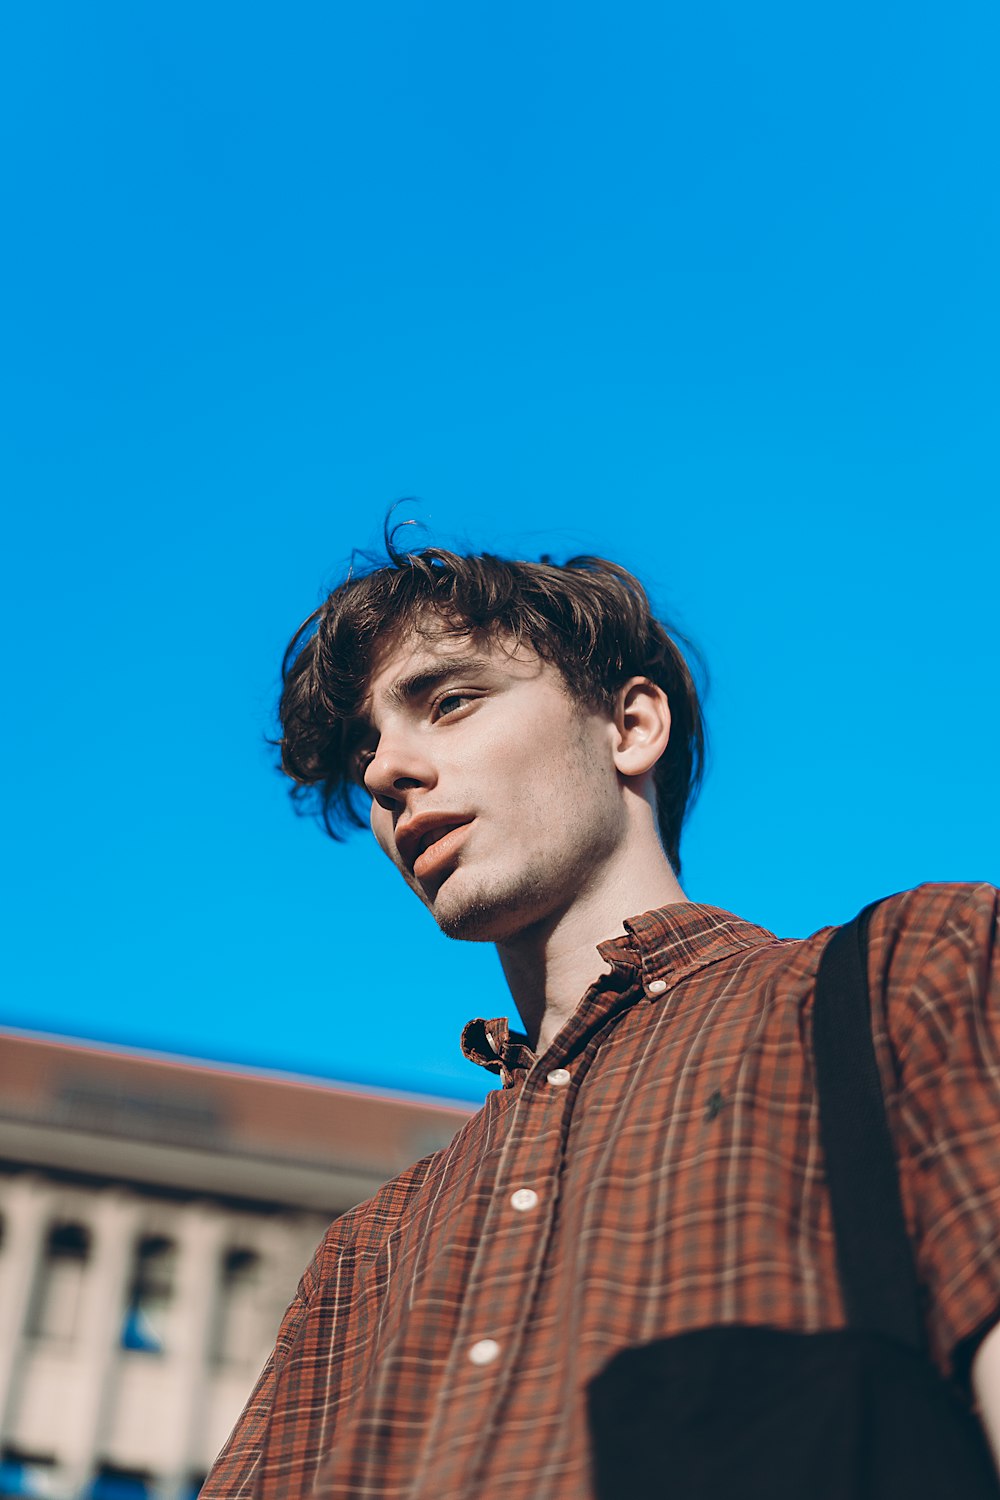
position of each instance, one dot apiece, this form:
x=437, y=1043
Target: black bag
x=757, y=1413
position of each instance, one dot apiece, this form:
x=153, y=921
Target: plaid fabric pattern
x=657, y=1170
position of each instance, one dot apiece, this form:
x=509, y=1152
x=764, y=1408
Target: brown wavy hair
x=588, y=617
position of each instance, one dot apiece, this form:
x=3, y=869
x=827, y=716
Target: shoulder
x=934, y=972
x=915, y=920
x=925, y=939
x=933, y=963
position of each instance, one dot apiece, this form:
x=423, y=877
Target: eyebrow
x=408, y=690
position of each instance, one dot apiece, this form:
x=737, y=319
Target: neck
x=550, y=965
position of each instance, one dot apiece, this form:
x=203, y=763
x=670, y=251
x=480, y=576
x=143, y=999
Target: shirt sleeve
x=238, y=1471
x=939, y=988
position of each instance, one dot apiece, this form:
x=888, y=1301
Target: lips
x=417, y=839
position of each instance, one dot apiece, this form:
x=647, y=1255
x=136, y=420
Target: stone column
x=113, y=1224
x=25, y=1209
x=200, y=1233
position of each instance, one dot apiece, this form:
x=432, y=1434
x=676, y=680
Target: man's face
x=493, y=792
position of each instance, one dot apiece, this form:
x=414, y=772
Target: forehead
x=414, y=663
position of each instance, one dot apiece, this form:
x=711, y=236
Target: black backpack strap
x=874, y=1255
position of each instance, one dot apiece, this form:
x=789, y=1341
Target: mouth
x=426, y=850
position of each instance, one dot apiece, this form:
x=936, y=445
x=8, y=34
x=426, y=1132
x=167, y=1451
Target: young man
x=528, y=738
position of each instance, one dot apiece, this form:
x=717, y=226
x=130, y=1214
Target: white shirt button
x=484, y=1352
x=523, y=1199
x=656, y=986
x=559, y=1077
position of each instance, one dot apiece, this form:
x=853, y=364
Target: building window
x=112, y=1483
x=236, y=1340
x=150, y=1295
x=58, y=1297
x=24, y=1476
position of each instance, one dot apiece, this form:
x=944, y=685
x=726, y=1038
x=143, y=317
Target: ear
x=642, y=722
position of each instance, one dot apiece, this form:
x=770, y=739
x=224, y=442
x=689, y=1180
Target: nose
x=396, y=768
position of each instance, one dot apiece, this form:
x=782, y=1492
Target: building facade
x=155, y=1217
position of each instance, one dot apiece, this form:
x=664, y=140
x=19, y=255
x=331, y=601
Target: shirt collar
x=656, y=950
x=673, y=941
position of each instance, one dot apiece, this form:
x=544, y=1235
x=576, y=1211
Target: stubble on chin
x=491, y=916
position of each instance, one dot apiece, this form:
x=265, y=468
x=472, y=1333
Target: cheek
x=544, y=781
x=524, y=746
x=381, y=825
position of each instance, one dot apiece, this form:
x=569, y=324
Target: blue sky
x=711, y=290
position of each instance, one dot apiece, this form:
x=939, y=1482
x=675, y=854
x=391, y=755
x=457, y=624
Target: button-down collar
x=674, y=941
x=494, y=1046
x=656, y=950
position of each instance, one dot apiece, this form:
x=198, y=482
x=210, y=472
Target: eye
x=450, y=703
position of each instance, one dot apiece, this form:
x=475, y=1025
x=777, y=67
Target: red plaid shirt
x=657, y=1170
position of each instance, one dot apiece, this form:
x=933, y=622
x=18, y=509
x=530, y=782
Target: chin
x=488, y=916
x=472, y=924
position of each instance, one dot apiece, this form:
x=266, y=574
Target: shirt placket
x=512, y=1253
x=501, y=1288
